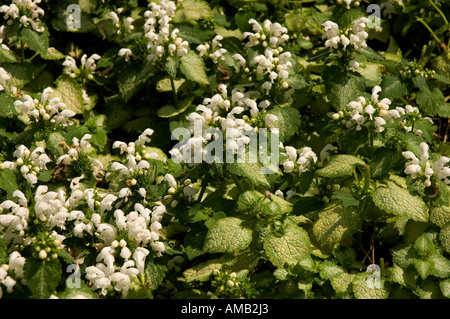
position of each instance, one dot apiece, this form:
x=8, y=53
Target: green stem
x=439, y=11
x=315, y=26
x=382, y=267
x=371, y=137
x=174, y=93
x=236, y=182
x=429, y=29
x=35, y=55
x=367, y=175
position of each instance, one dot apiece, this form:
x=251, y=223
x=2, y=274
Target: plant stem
x=430, y=30
x=439, y=11
x=236, y=182
x=174, y=92
x=367, y=174
x=371, y=137
x=315, y=26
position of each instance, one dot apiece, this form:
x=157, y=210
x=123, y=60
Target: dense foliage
x=98, y=198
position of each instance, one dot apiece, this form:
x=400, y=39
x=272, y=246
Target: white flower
x=127, y=53
x=139, y=257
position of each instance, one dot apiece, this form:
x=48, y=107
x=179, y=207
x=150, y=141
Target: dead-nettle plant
x=194, y=149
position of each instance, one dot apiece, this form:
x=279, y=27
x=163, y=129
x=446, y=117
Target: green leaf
x=340, y=165
x=342, y=283
x=288, y=247
x=288, y=123
x=42, y=277
x=155, y=273
x=440, y=215
x=342, y=87
x=430, y=99
x=329, y=270
x=193, y=10
x=21, y=73
x=372, y=73
x=8, y=56
x=70, y=93
x=424, y=245
x=252, y=171
x=346, y=198
x=165, y=86
x=193, y=243
x=383, y=160
x=398, y=201
x=393, y=87
x=36, y=41
x=445, y=288
x=193, y=68
x=362, y=290
x=169, y=110
x=6, y=106
x=81, y=292
x=444, y=237
x=8, y=182
x=336, y=225
x=171, y=66
x=53, y=142
x=404, y=255
x=202, y=271
x=440, y=266
x=133, y=78
x=227, y=235
x=249, y=200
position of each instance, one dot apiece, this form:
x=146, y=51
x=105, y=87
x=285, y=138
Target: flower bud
x=42, y=254
x=115, y=244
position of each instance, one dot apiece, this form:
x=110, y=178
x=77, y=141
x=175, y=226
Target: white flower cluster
x=301, y=163
x=143, y=225
x=350, y=40
x=214, y=50
x=422, y=167
x=104, y=273
x=269, y=34
x=157, y=30
x=52, y=110
x=14, y=217
x=87, y=68
x=4, y=76
x=127, y=22
x=226, y=114
x=73, y=154
x=2, y=37
x=29, y=7
x=189, y=190
x=136, y=157
x=28, y=163
x=11, y=272
x=273, y=65
x=362, y=111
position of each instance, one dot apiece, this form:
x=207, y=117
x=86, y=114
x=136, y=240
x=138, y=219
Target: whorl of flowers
x=31, y=10
x=47, y=109
x=157, y=28
x=422, y=167
x=350, y=41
